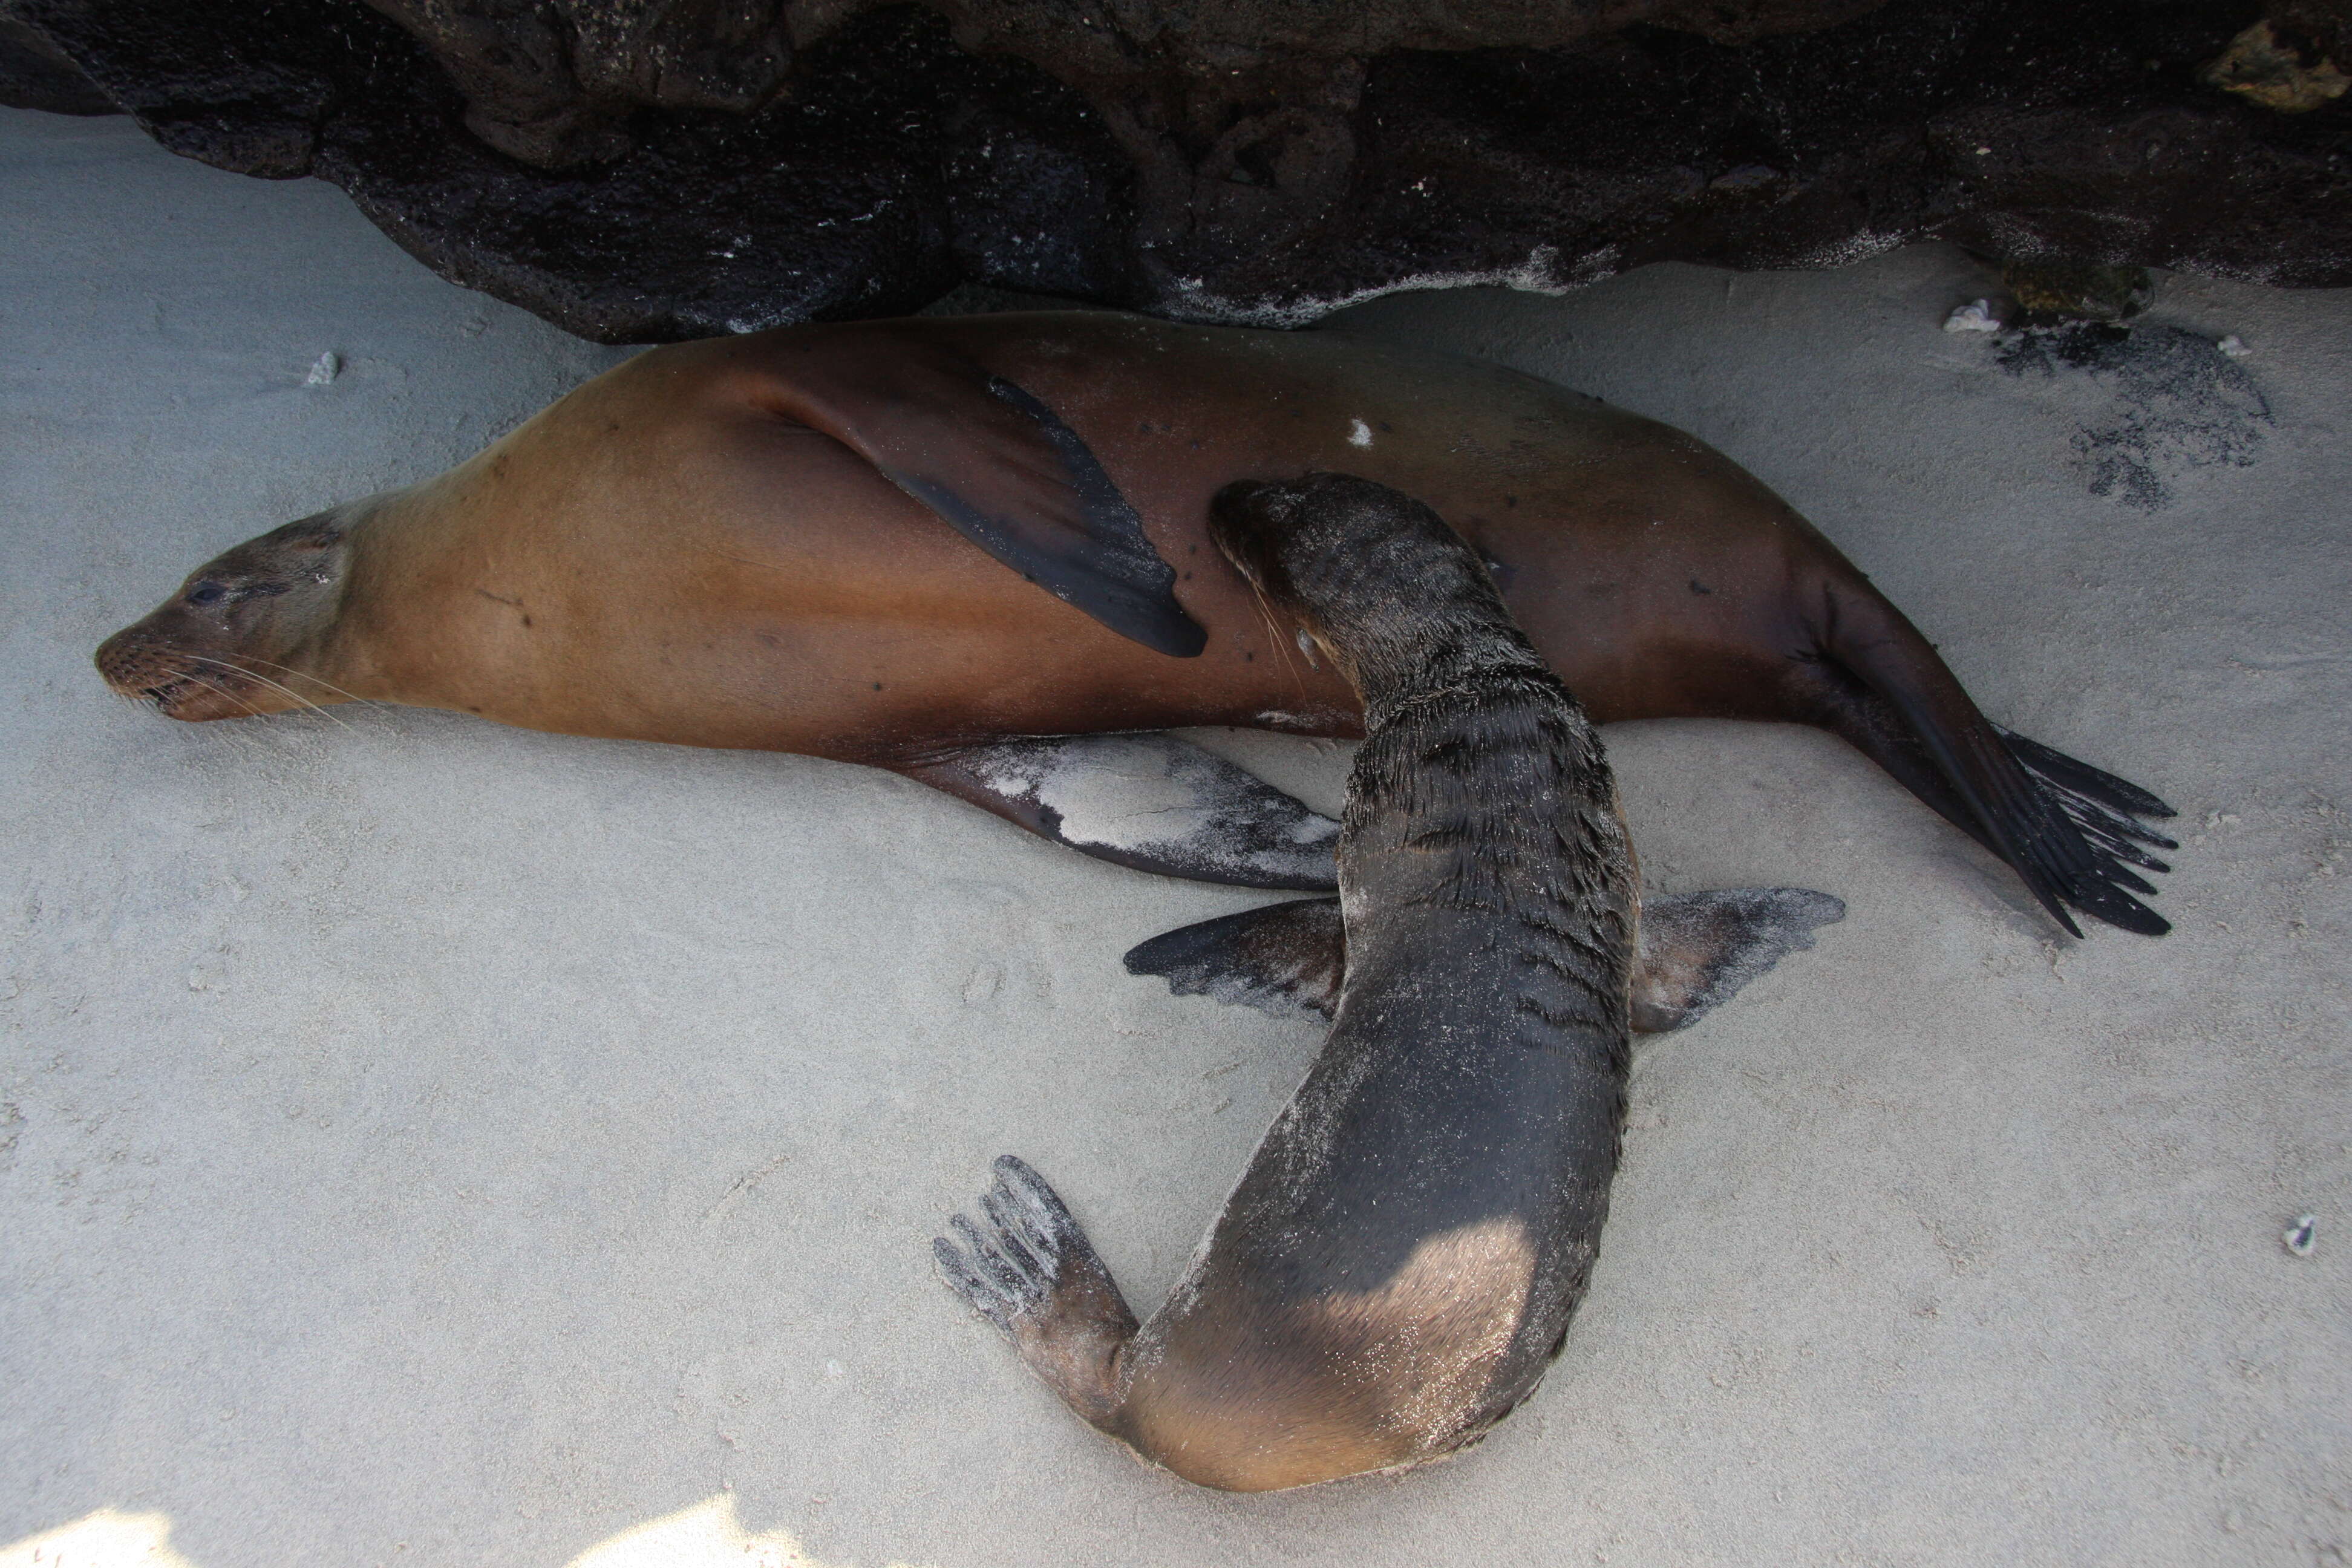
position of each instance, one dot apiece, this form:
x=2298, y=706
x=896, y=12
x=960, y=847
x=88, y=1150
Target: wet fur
x=1397, y=1266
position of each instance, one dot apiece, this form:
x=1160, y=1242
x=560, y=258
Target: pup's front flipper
x=1697, y=950
x=1031, y=1270
x=1284, y=960
x=1151, y=801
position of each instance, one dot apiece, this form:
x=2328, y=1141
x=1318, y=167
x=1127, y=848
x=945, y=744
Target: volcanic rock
x=641, y=170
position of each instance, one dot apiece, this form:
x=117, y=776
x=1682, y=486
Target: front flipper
x=1697, y=950
x=993, y=461
x=1152, y=802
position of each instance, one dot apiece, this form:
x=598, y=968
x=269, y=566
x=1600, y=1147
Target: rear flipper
x=1149, y=801
x=1697, y=951
x=1284, y=960
x=1225, y=1387
x=1034, y=1274
x=1386, y=1365
x=2065, y=826
x=2101, y=804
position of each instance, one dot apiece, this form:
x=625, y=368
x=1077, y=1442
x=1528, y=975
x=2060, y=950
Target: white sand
x=427, y=1142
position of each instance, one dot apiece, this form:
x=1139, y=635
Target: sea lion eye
x=207, y=593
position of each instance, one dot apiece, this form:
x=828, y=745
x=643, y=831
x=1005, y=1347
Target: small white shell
x=1975, y=317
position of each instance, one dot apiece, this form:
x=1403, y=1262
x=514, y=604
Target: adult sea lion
x=1397, y=1266
x=738, y=543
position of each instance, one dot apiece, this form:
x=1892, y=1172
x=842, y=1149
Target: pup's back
x=1399, y=1260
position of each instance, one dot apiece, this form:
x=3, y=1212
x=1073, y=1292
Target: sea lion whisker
x=189, y=675
x=306, y=675
x=1281, y=646
x=236, y=736
x=300, y=701
x=246, y=738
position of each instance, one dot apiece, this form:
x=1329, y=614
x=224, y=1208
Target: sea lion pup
x=1397, y=1266
x=971, y=549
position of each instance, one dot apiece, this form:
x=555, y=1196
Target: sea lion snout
x=1333, y=551
x=227, y=644
x=1260, y=525
x=1281, y=537
x=1330, y=529
x=1247, y=520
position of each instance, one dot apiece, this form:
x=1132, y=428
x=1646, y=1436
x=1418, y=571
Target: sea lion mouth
x=182, y=685
x=172, y=698
x=193, y=698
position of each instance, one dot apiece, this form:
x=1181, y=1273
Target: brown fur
x=675, y=552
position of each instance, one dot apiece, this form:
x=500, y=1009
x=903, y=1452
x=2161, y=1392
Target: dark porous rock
x=2055, y=292
x=36, y=74
x=637, y=170
x=2287, y=61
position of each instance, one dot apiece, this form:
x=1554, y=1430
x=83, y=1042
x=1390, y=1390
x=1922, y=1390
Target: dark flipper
x=994, y=462
x=1697, y=950
x=1152, y=802
x=2081, y=779
x=1030, y=1271
x=2096, y=802
x=2058, y=823
x=1284, y=960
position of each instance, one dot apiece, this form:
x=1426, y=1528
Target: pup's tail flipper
x=1029, y=1269
x=2067, y=828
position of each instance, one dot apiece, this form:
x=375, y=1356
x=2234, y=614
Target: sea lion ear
x=1284, y=960
x=998, y=465
x=1698, y=949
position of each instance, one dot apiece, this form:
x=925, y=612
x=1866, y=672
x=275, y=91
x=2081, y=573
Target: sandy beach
x=427, y=1142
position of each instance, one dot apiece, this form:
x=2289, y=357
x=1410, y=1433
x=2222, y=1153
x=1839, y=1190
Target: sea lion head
x=1358, y=565
x=237, y=638
x=1248, y=522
